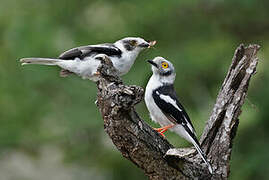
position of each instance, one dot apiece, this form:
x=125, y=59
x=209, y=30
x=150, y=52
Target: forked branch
x=139, y=143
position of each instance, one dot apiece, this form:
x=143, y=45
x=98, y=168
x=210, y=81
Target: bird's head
x=134, y=44
x=163, y=69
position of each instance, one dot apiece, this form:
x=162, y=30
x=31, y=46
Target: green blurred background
x=50, y=127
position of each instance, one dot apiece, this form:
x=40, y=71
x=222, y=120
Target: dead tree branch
x=139, y=143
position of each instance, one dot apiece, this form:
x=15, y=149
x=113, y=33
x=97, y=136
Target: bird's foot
x=159, y=130
x=162, y=130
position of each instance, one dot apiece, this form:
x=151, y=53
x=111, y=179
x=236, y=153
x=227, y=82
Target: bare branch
x=222, y=125
x=139, y=143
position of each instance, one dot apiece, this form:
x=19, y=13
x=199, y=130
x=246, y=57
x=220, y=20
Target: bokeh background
x=50, y=127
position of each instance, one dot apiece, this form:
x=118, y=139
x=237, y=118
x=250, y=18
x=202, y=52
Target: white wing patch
x=168, y=99
x=189, y=126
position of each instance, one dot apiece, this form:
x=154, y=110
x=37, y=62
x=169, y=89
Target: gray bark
x=143, y=146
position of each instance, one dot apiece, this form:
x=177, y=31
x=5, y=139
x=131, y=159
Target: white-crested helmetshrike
x=164, y=106
x=122, y=53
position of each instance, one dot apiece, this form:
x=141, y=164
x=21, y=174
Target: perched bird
x=164, y=106
x=80, y=59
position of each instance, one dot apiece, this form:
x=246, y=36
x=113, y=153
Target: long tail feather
x=44, y=61
x=200, y=152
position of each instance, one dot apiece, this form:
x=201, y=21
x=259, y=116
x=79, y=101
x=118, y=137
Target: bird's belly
x=85, y=68
x=155, y=113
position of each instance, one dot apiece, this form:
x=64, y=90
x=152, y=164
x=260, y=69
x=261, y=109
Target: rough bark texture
x=139, y=143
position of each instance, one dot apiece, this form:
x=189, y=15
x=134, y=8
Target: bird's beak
x=153, y=63
x=147, y=44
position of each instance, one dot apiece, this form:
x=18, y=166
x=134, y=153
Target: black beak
x=153, y=63
x=144, y=45
x=148, y=44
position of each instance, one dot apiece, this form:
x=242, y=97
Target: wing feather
x=83, y=51
x=166, y=99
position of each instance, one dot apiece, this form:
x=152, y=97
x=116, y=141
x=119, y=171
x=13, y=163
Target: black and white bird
x=164, y=106
x=82, y=60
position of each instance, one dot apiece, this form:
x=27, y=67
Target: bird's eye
x=133, y=42
x=164, y=65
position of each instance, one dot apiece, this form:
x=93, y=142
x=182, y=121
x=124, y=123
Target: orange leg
x=162, y=130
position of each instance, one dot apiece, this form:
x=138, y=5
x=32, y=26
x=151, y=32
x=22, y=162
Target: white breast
x=127, y=59
x=155, y=112
x=124, y=64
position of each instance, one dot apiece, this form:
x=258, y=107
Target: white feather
x=85, y=68
x=155, y=113
x=200, y=152
x=127, y=59
x=169, y=100
x=43, y=61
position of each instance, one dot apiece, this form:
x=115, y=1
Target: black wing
x=83, y=51
x=166, y=99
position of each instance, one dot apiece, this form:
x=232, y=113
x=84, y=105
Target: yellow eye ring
x=164, y=65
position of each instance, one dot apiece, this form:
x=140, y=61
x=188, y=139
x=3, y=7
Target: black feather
x=180, y=117
x=84, y=51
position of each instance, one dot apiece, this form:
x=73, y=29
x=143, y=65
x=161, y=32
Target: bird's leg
x=165, y=128
x=162, y=130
